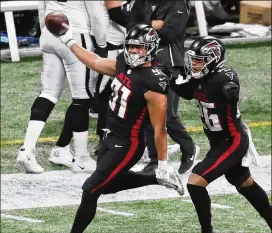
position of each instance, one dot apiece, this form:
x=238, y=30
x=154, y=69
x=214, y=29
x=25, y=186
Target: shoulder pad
x=158, y=81
x=228, y=75
x=231, y=91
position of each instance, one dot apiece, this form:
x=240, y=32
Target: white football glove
x=181, y=80
x=169, y=177
x=67, y=38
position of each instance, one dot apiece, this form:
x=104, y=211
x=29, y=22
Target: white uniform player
x=60, y=63
x=115, y=41
x=116, y=37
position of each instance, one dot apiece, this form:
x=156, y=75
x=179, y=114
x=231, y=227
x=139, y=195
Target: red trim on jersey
x=134, y=139
x=232, y=148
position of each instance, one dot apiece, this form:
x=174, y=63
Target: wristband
x=70, y=43
x=162, y=163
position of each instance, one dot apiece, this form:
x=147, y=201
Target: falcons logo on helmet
x=214, y=49
x=151, y=35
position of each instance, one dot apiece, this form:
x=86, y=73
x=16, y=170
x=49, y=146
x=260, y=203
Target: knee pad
x=41, y=109
x=77, y=115
x=84, y=103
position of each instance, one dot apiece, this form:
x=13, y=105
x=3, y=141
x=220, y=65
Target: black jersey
x=127, y=114
x=219, y=113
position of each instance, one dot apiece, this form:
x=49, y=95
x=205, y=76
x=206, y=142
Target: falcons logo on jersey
x=213, y=48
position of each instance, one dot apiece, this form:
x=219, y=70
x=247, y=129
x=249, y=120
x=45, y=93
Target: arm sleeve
x=231, y=92
x=185, y=90
x=119, y=16
x=174, y=23
x=137, y=15
x=41, y=10
x=98, y=21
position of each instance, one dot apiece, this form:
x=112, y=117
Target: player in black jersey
x=139, y=93
x=216, y=91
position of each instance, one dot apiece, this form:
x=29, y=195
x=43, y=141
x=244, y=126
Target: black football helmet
x=207, y=49
x=141, y=35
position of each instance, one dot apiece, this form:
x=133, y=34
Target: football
x=57, y=23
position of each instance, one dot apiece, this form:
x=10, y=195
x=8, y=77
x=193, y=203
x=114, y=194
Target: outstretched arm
x=90, y=59
x=93, y=61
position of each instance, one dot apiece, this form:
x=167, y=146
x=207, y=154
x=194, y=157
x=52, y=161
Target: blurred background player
x=60, y=63
x=115, y=41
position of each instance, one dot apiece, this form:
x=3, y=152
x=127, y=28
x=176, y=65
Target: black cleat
x=187, y=163
x=150, y=168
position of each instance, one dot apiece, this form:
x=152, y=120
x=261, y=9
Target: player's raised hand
x=58, y=24
x=67, y=38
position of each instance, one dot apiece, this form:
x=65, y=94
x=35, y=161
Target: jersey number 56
x=210, y=121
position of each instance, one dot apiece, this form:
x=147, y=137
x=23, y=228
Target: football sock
x=76, y=120
x=85, y=212
x=259, y=200
x=66, y=133
x=33, y=132
x=80, y=143
x=40, y=111
x=202, y=203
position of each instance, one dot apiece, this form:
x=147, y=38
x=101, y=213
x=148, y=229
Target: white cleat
x=145, y=158
x=83, y=163
x=61, y=156
x=27, y=160
x=170, y=179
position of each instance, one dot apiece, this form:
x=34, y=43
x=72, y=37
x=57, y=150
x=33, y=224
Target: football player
x=60, y=63
x=169, y=19
x=216, y=91
x=139, y=92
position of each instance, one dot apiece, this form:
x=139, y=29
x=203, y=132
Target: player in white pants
x=60, y=63
x=115, y=41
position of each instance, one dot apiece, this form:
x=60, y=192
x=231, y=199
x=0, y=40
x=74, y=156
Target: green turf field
x=20, y=85
x=158, y=216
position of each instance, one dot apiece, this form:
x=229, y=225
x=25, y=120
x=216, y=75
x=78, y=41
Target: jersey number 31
x=120, y=96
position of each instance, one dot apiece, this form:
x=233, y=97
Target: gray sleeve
x=41, y=11
x=96, y=12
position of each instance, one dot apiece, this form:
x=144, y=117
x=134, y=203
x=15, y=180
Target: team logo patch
x=163, y=85
x=213, y=48
x=230, y=75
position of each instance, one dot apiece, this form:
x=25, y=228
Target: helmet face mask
x=205, y=55
x=141, y=45
x=197, y=66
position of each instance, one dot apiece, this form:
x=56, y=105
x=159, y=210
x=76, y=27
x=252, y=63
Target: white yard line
x=31, y=220
x=214, y=205
x=116, y=212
